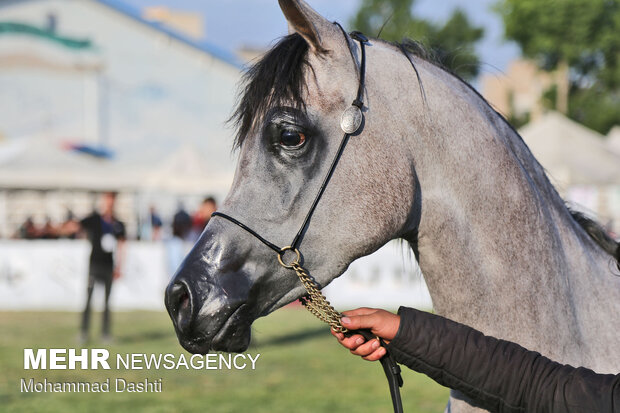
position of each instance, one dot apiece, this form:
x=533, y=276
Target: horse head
x=289, y=131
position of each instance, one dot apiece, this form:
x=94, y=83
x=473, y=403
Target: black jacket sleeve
x=499, y=375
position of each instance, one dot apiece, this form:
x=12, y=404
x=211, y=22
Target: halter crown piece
x=314, y=301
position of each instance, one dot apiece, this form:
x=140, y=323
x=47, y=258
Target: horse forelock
x=274, y=80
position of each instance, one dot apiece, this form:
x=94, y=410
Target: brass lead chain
x=316, y=303
x=314, y=300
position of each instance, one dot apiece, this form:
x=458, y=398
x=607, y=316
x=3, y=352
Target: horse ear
x=308, y=23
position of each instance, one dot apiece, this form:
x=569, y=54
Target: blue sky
x=234, y=23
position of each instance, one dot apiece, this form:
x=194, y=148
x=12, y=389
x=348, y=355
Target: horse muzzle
x=208, y=305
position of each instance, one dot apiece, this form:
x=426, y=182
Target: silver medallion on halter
x=351, y=120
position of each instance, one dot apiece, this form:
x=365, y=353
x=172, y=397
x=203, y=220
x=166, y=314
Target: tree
x=452, y=44
x=578, y=39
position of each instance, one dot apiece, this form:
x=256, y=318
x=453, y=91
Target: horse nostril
x=179, y=304
x=183, y=300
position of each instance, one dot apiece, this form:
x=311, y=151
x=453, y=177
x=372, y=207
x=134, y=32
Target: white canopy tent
x=43, y=164
x=571, y=153
x=39, y=177
x=613, y=139
x=187, y=171
x=40, y=163
x=581, y=163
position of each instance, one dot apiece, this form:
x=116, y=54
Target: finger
x=349, y=342
x=339, y=336
x=353, y=342
x=375, y=355
x=360, y=311
x=366, y=349
x=356, y=322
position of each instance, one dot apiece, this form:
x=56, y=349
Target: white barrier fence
x=39, y=275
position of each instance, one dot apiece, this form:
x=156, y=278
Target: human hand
x=381, y=323
x=116, y=274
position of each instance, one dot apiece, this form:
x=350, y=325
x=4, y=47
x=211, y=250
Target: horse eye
x=292, y=139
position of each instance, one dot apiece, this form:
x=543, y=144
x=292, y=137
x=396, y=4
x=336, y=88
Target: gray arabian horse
x=434, y=165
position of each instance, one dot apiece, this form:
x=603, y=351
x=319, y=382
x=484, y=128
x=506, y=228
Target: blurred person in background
x=156, y=224
x=202, y=216
x=106, y=235
x=27, y=230
x=49, y=231
x=176, y=247
x=70, y=228
x=181, y=223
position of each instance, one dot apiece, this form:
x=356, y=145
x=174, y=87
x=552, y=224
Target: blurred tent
x=38, y=173
x=581, y=163
x=186, y=171
x=571, y=153
x=613, y=139
x=39, y=163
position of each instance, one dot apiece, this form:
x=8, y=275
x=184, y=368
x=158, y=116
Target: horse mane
x=594, y=230
x=598, y=235
x=274, y=80
x=278, y=79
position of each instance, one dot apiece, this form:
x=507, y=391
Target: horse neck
x=497, y=245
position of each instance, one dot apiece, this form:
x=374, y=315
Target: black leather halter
x=358, y=103
x=351, y=123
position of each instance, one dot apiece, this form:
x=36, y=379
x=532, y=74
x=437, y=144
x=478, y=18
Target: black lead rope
x=351, y=123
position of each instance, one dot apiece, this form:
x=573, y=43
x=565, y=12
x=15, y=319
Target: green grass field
x=301, y=369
